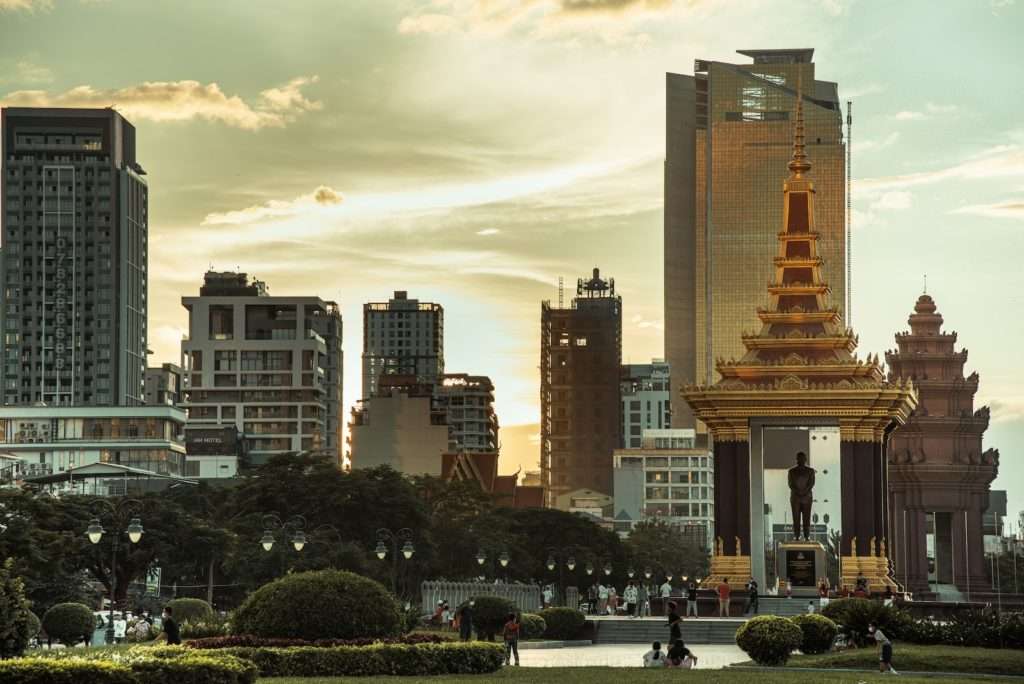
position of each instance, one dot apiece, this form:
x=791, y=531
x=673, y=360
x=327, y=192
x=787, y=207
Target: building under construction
x=581, y=352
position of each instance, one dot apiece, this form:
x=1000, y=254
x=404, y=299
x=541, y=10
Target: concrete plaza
x=711, y=656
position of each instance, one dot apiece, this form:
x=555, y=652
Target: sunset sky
x=472, y=151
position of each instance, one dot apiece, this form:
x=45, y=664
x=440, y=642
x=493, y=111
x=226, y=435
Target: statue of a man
x=801, y=486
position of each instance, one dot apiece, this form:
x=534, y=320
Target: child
x=885, y=658
x=654, y=657
x=511, y=634
x=810, y=607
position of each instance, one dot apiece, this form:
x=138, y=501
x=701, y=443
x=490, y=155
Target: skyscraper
x=262, y=363
x=646, y=394
x=580, y=358
x=402, y=337
x=75, y=234
x=728, y=131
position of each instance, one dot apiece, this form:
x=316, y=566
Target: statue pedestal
x=802, y=563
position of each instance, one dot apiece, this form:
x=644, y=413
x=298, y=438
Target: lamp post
x=385, y=539
x=123, y=515
x=503, y=560
x=296, y=525
x=561, y=560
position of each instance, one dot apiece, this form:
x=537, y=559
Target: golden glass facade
x=738, y=127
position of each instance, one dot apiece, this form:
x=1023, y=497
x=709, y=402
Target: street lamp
x=387, y=541
x=295, y=525
x=555, y=556
x=123, y=514
x=503, y=560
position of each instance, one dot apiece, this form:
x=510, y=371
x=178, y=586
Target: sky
x=473, y=151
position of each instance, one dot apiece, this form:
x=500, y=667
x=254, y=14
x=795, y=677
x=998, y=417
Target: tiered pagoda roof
x=802, y=361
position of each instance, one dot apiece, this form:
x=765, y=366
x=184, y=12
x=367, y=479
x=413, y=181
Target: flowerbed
x=246, y=641
x=138, y=665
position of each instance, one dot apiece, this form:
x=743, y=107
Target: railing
x=525, y=596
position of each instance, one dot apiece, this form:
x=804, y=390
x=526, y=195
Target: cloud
x=488, y=231
x=853, y=92
x=1001, y=161
x=644, y=323
x=930, y=110
x=181, y=101
x=611, y=6
x=1013, y=209
x=321, y=197
x=28, y=72
x=869, y=145
x=28, y=5
x=909, y=116
x=894, y=200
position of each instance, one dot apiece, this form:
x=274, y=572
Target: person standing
x=613, y=600
x=724, y=592
x=602, y=599
x=885, y=657
x=631, y=598
x=548, y=596
x=511, y=634
x=691, y=600
x=752, y=592
x=810, y=607
x=169, y=630
x=592, y=599
x=675, y=623
x=466, y=622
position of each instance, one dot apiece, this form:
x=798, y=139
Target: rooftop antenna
x=849, y=213
x=561, y=292
x=926, y=283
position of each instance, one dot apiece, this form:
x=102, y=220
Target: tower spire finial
x=799, y=164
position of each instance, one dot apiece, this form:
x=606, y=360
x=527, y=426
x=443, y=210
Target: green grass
x=923, y=659
x=618, y=675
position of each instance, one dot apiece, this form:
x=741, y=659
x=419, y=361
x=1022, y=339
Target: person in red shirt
x=511, y=634
x=723, y=598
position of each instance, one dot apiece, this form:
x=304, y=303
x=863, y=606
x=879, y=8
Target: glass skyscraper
x=729, y=129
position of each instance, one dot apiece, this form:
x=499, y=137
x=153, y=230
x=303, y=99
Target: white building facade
x=645, y=392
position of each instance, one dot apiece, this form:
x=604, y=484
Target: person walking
x=885, y=657
x=724, y=592
x=675, y=623
x=169, y=630
x=511, y=634
x=752, y=593
x=691, y=600
x=466, y=621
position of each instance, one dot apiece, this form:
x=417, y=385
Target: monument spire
x=799, y=164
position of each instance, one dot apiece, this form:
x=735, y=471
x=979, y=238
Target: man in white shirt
x=666, y=589
x=654, y=657
x=631, y=597
x=885, y=657
x=602, y=599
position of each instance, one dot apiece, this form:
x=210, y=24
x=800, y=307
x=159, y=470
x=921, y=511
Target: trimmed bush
x=769, y=639
x=380, y=659
x=58, y=671
x=533, y=626
x=16, y=628
x=819, y=633
x=328, y=604
x=214, y=626
x=244, y=641
x=853, y=615
x=190, y=610
x=220, y=669
x=69, y=623
x=562, y=624
x=490, y=614
x=34, y=625
x=145, y=665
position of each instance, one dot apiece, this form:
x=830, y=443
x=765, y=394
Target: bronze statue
x=801, y=486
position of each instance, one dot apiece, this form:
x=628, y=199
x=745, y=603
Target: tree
x=15, y=627
x=664, y=548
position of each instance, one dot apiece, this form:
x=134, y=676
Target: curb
x=528, y=645
x=909, y=673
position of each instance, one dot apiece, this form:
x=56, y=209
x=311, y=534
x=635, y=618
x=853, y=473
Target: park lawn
x=617, y=675
x=914, y=658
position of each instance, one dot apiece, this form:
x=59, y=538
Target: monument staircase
x=649, y=630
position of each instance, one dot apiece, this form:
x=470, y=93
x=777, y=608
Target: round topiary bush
x=34, y=625
x=769, y=639
x=533, y=626
x=562, y=623
x=69, y=623
x=853, y=615
x=819, y=633
x=490, y=614
x=328, y=604
x=190, y=610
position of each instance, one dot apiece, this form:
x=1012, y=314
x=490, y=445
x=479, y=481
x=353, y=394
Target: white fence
x=526, y=596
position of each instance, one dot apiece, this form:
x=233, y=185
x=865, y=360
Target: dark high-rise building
x=74, y=259
x=580, y=358
x=728, y=130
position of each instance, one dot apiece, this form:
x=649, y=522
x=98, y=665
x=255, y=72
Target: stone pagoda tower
x=939, y=475
x=800, y=370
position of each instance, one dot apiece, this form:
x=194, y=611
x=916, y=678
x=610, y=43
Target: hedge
x=819, y=633
x=328, y=604
x=532, y=626
x=562, y=623
x=769, y=639
x=69, y=623
x=190, y=610
x=192, y=668
x=380, y=659
x=247, y=641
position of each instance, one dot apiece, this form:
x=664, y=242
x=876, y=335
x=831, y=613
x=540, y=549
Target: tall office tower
x=468, y=402
x=402, y=337
x=645, y=392
x=260, y=363
x=729, y=129
x=580, y=359
x=75, y=233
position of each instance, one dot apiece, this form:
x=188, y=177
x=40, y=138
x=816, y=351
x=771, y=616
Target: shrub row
x=562, y=624
x=246, y=641
x=156, y=670
x=379, y=659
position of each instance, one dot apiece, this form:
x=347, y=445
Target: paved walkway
x=624, y=655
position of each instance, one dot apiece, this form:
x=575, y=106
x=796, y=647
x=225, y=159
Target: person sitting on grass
x=654, y=657
x=680, y=656
x=885, y=658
